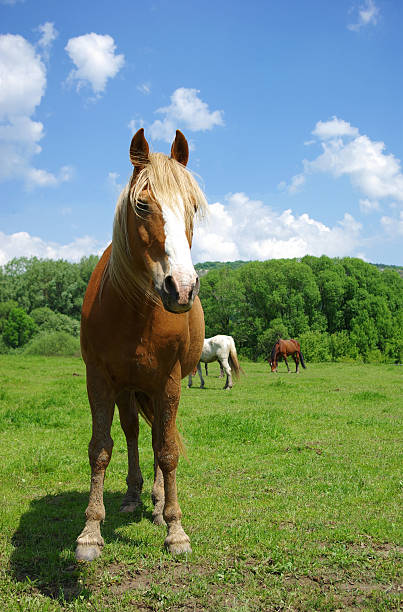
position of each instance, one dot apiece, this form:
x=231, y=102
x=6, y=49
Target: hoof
x=178, y=543
x=87, y=553
x=179, y=548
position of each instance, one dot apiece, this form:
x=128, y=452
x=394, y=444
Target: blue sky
x=294, y=113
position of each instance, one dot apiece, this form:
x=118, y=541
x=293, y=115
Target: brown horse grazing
x=142, y=331
x=282, y=349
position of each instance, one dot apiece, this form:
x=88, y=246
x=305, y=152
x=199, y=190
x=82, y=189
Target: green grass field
x=291, y=494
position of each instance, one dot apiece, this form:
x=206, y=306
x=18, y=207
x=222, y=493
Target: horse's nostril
x=196, y=287
x=171, y=287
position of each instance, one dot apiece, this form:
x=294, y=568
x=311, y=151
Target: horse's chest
x=145, y=359
x=147, y=362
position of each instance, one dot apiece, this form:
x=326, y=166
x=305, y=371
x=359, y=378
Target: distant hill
x=382, y=267
x=203, y=268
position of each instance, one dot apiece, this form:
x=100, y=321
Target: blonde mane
x=165, y=179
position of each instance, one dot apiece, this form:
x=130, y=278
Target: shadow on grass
x=44, y=542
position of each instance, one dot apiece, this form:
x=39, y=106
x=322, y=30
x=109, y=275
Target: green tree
x=269, y=337
x=5, y=309
x=315, y=346
x=47, y=320
x=86, y=267
x=18, y=328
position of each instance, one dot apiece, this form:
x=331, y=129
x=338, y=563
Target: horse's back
x=218, y=346
x=289, y=346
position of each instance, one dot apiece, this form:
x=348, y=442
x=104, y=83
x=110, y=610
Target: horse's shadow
x=44, y=541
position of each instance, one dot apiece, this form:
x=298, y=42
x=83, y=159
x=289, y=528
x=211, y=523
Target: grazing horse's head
x=153, y=227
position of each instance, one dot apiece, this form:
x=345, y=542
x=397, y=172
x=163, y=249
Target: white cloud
x=95, y=60
x=23, y=83
x=247, y=229
x=22, y=244
x=333, y=129
x=144, y=88
x=135, y=124
x=23, y=77
x=187, y=110
x=296, y=183
x=345, y=151
x=367, y=206
x=367, y=15
x=49, y=34
x=113, y=179
x=42, y=178
x=393, y=227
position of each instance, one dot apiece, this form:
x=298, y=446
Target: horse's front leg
x=166, y=449
x=101, y=398
x=286, y=363
x=158, y=494
x=129, y=420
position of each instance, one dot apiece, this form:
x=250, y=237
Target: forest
x=339, y=309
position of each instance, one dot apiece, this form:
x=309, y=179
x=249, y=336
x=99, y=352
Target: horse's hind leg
x=90, y=541
x=129, y=420
x=296, y=359
x=199, y=370
x=226, y=367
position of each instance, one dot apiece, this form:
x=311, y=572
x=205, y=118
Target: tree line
x=339, y=309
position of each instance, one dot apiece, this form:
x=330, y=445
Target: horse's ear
x=180, y=149
x=139, y=150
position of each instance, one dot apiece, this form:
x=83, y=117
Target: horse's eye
x=142, y=207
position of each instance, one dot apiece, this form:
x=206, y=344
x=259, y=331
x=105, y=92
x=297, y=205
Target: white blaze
x=177, y=246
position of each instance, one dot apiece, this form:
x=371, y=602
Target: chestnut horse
x=282, y=349
x=142, y=331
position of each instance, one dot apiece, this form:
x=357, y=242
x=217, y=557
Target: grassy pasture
x=291, y=494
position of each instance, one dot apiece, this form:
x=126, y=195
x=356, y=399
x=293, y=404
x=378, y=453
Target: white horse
x=221, y=349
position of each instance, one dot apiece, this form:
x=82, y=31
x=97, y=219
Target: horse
x=222, y=349
x=142, y=331
x=281, y=350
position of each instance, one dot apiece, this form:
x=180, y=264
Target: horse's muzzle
x=177, y=294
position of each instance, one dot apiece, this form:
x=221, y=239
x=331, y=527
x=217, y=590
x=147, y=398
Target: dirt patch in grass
x=173, y=575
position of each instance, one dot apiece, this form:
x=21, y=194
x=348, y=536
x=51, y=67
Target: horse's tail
x=302, y=360
x=146, y=409
x=233, y=360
